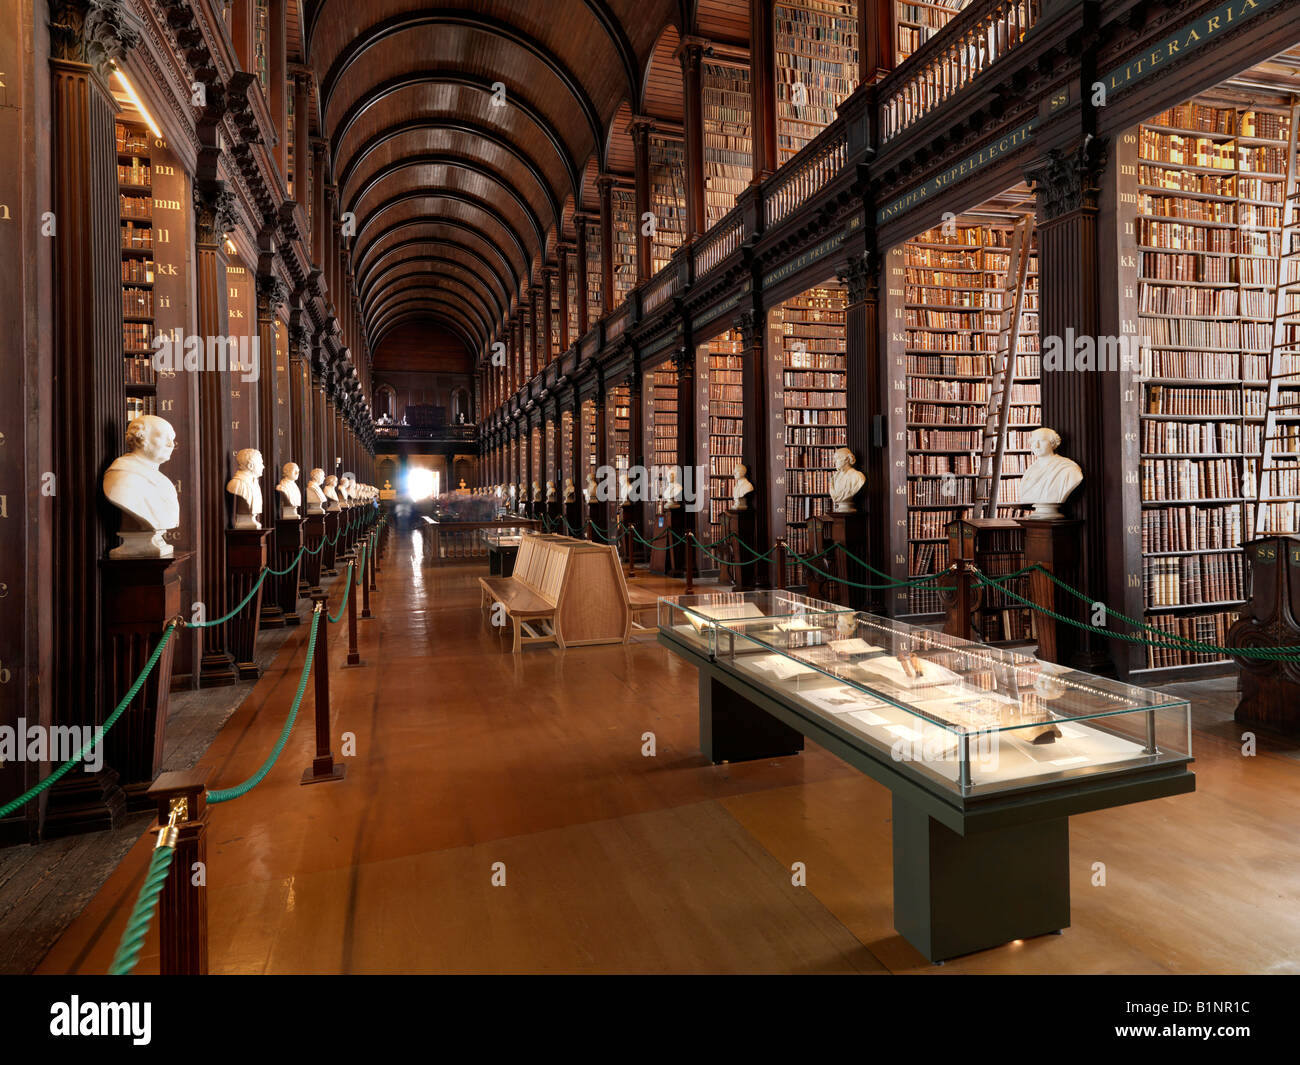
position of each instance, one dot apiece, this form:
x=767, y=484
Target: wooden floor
x=468, y=756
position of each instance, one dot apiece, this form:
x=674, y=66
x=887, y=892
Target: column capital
x=216, y=211
x=1066, y=181
x=861, y=275
x=95, y=32
x=749, y=324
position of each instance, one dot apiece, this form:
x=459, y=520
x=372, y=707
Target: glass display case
x=973, y=719
x=693, y=620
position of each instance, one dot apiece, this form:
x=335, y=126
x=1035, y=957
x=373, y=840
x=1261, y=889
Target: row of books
x=968, y=365
x=1206, y=628
x=135, y=237
x=1191, y=579
x=1191, y=528
x=1191, y=333
x=1190, y=479
x=801, y=457
x=137, y=303
x=140, y=370
x=1191, y=438
x=131, y=140
x=952, y=414
x=813, y=434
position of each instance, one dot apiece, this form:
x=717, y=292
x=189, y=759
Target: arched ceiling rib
x=461, y=136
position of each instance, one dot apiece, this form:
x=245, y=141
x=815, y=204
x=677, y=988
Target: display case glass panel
x=692, y=619
x=971, y=718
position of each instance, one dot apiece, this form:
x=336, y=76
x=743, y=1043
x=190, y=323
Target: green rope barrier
x=347, y=590
x=243, y=603
x=61, y=771
x=281, y=572
x=226, y=794
x=146, y=904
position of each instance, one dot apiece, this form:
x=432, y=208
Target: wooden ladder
x=997, y=412
x=1285, y=349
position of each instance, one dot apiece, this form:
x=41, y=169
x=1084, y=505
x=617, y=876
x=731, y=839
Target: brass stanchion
x=183, y=904
x=372, y=563
x=354, y=657
x=323, y=766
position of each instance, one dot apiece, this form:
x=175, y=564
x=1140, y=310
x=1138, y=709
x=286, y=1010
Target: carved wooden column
x=562, y=254
x=548, y=333
x=277, y=75
x=1075, y=403
x=876, y=37
x=301, y=141
x=605, y=187
x=752, y=327
x=214, y=216
x=689, y=401
x=867, y=402
x=692, y=59
x=271, y=294
x=762, y=82
x=580, y=228
x=640, y=131
x=89, y=397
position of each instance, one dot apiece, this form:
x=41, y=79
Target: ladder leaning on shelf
x=1285, y=346
x=997, y=413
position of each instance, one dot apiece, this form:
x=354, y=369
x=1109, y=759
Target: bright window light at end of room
x=421, y=484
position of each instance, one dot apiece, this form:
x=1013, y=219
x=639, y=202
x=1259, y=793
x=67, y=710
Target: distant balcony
x=413, y=434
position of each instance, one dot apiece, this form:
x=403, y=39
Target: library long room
x=703, y=486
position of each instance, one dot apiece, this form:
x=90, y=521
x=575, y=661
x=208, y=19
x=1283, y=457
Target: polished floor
x=472, y=765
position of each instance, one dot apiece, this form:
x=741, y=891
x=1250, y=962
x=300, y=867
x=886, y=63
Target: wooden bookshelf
x=944, y=307
x=576, y=295
x=667, y=198
x=592, y=286
x=623, y=210
x=566, y=453
x=587, y=439
x=728, y=137
x=916, y=22
x=619, y=409
x=813, y=389
x=135, y=213
x=1207, y=179
x=720, y=369
x=816, y=68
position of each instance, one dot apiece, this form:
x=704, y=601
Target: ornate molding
x=1065, y=182
x=216, y=211
x=95, y=32
x=861, y=276
x=749, y=324
x=271, y=293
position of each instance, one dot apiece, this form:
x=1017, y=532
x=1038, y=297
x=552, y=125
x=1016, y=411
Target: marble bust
x=550, y=491
x=742, y=487
x=1050, y=478
x=589, y=492
x=569, y=490
x=672, y=493
x=846, y=481
x=290, y=496
x=315, y=492
x=331, y=493
x=537, y=492
x=144, y=495
x=345, y=489
x=625, y=489
x=245, y=487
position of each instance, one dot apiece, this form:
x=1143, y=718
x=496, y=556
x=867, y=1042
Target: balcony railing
x=445, y=434
x=720, y=241
x=660, y=288
x=953, y=58
x=809, y=171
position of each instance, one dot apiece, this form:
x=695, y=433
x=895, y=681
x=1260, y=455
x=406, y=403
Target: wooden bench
x=564, y=591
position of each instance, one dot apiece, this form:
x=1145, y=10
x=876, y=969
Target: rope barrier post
x=183, y=905
x=960, y=599
x=690, y=562
x=323, y=766
x=372, y=561
x=367, y=580
x=627, y=551
x=780, y=563
x=354, y=657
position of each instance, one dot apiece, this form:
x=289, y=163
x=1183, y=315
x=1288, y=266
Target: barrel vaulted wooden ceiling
x=463, y=136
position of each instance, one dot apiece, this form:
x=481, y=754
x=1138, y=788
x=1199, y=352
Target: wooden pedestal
x=330, y=550
x=313, y=530
x=1270, y=689
x=288, y=542
x=851, y=531
x=246, y=555
x=271, y=616
x=573, y=515
x=668, y=556
x=140, y=595
x=741, y=571
x=1053, y=543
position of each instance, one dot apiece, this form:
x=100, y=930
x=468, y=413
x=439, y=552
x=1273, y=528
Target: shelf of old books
x=809, y=363
x=916, y=22
x=944, y=306
x=576, y=296
x=618, y=407
x=667, y=198
x=135, y=214
x=592, y=284
x=590, y=459
x=623, y=211
x=1208, y=179
x=661, y=418
x=566, y=452
x=728, y=137
x=816, y=44
x=719, y=378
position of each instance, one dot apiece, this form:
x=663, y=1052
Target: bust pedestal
x=1054, y=544
x=327, y=555
x=740, y=525
x=271, y=615
x=288, y=542
x=572, y=512
x=669, y=553
x=140, y=594
x=246, y=554
x=313, y=534
x=850, y=530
